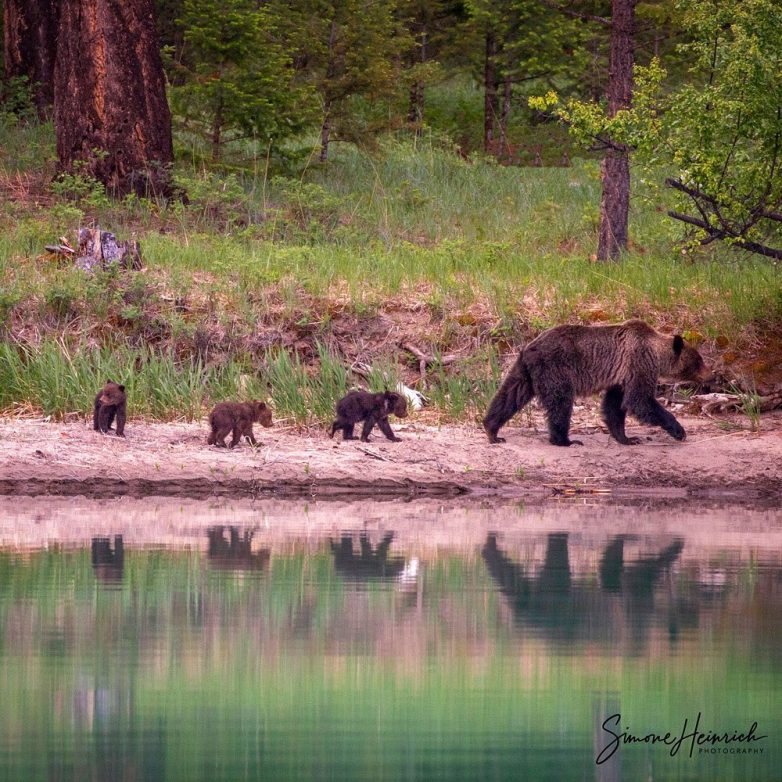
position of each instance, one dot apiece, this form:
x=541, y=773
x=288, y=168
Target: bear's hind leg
x=614, y=416
x=558, y=404
x=218, y=436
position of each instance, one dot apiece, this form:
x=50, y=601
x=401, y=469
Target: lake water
x=159, y=640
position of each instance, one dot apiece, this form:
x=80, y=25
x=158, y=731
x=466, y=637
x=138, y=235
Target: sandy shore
x=40, y=457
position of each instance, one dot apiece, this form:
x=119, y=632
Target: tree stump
x=99, y=249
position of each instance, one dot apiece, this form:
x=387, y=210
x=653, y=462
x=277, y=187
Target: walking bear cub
x=110, y=401
x=624, y=360
x=237, y=417
x=371, y=409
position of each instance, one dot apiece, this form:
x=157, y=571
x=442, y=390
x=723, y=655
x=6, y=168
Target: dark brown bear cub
x=110, y=401
x=371, y=409
x=624, y=360
x=237, y=417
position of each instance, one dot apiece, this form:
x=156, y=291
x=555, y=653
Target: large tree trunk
x=30, y=45
x=111, y=116
x=615, y=203
x=490, y=102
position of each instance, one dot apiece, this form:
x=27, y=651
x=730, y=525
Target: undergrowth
x=275, y=282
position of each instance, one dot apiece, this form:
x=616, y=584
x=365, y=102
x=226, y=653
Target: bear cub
x=110, y=401
x=237, y=417
x=371, y=409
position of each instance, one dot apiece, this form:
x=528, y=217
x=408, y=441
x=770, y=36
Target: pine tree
x=236, y=76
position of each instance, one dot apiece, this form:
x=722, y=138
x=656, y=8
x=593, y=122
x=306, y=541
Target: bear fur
x=237, y=417
x=371, y=409
x=110, y=401
x=624, y=360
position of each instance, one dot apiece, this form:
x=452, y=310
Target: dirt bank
x=39, y=457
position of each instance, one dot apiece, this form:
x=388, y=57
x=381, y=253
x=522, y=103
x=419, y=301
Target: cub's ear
x=109, y=380
x=678, y=345
x=122, y=388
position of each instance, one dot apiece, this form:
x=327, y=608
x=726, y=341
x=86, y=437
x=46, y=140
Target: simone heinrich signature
x=706, y=742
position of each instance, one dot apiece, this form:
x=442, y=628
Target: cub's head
x=687, y=363
x=396, y=404
x=112, y=394
x=262, y=413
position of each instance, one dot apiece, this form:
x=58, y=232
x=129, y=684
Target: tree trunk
x=325, y=133
x=615, y=169
x=507, y=89
x=490, y=104
x=111, y=116
x=30, y=45
x=331, y=69
x=217, y=127
x=415, y=113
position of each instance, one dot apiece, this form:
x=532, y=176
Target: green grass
x=461, y=255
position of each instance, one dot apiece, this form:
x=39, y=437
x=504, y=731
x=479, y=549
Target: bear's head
x=687, y=363
x=395, y=404
x=262, y=413
x=112, y=393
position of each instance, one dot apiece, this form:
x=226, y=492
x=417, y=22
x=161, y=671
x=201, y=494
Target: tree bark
x=111, y=116
x=615, y=169
x=490, y=102
x=30, y=45
x=507, y=91
x=217, y=127
x=331, y=69
x=415, y=113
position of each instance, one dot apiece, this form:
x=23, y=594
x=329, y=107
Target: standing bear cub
x=110, y=401
x=623, y=360
x=237, y=417
x=371, y=409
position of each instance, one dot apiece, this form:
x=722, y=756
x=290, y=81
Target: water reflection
x=108, y=562
x=367, y=563
x=400, y=650
x=235, y=552
x=579, y=612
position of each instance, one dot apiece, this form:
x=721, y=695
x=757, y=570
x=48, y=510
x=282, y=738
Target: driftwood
x=424, y=360
x=722, y=403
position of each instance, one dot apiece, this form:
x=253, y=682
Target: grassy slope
x=336, y=265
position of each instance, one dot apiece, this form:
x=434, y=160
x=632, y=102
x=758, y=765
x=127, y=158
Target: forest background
x=332, y=193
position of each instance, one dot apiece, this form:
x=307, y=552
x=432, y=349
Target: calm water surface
x=158, y=640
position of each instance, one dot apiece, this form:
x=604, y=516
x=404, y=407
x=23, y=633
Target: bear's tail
x=515, y=391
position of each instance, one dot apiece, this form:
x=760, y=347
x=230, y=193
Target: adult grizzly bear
x=624, y=360
x=110, y=401
x=237, y=417
x=371, y=409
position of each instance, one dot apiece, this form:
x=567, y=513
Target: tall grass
x=59, y=380
x=410, y=223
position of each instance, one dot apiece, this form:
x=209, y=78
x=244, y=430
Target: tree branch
x=578, y=14
x=716, y=233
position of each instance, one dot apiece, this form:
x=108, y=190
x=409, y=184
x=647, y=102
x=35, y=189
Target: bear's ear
x=109, y=381
x=678, y=345
x=121, y=388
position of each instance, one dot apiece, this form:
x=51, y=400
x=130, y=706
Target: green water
x=385, y=642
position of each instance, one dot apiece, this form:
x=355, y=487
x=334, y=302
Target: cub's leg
x=368, y=425
x=219, y=435
x=386, y=429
